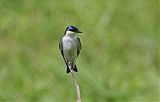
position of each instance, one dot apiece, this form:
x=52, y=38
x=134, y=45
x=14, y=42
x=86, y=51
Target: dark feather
x=78, y=46
x=61, y=49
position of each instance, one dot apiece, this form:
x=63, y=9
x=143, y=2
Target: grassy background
x=119, y=61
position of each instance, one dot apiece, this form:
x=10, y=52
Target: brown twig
x=75, y=84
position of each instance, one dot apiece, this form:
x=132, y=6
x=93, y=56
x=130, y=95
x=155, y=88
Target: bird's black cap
x=73, y=29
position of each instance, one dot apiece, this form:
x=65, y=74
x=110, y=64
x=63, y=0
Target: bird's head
x=72, y=29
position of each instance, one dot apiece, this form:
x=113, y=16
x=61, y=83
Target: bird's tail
x=74, y=69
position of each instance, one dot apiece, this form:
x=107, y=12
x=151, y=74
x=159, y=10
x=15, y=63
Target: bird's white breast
x=70, y=47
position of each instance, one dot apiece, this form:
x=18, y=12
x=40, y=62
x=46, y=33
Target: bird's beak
x=79, y=31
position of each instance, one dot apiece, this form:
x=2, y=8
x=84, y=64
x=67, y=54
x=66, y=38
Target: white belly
x=70, y=48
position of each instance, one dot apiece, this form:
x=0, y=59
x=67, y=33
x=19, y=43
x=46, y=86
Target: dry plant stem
x=75, y=85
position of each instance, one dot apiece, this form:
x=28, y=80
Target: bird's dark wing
x=61, y=48
x=78, y=46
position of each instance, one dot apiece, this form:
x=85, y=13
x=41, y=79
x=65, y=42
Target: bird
x=70, y=47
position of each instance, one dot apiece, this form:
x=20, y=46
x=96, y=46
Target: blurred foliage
x=120, y=56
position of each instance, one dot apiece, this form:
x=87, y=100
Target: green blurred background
x=119, y=60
